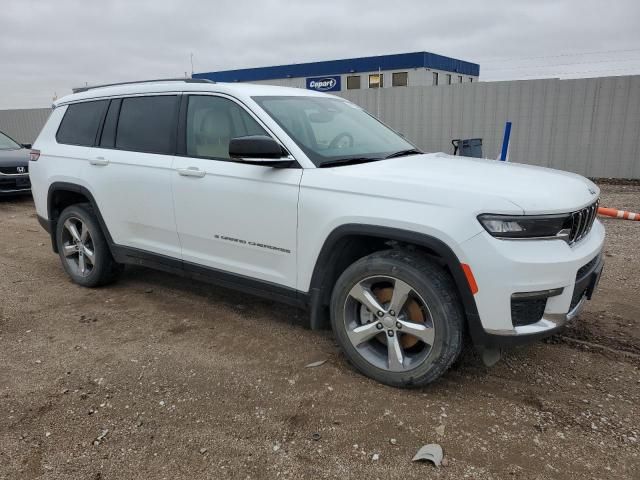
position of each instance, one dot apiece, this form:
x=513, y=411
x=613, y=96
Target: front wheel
x=398, y=318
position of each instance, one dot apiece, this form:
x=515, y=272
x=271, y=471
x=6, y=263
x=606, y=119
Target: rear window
x=147, y=124
x=80, y=123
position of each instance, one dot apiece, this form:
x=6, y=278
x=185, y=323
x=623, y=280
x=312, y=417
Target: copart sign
x=324, y=84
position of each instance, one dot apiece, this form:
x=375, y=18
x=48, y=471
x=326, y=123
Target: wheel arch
x=63, y=194
x=370, y=238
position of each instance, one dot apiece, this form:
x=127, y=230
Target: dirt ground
x=157, y=377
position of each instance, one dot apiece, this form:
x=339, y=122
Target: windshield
x=331, y=129
x=7, y=144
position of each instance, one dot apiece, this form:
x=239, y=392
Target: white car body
x=271, y=224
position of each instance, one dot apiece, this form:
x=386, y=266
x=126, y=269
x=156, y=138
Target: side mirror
x=258, y=150
x=26, y=145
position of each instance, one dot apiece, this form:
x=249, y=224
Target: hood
x=14, y=158
x=490, y=186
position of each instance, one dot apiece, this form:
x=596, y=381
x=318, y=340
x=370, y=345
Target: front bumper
x=14, y=184
x=508, y=267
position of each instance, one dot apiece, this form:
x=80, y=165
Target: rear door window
x=80, y=123
x=147, y=124
x=108, y=138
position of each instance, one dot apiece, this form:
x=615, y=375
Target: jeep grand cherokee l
x=305, y=198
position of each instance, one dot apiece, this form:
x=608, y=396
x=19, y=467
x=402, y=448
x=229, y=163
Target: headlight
x=527, y=226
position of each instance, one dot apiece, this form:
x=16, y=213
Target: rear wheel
x=398, y=318
x=83, y=248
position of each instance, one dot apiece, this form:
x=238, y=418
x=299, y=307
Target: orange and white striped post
x=614, y=213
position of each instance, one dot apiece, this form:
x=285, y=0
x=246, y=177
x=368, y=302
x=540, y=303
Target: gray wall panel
x=23, y=125
x=588, y=126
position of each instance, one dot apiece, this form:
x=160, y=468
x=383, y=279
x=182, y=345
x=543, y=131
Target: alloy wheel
x=389, y=323
x=77, y=246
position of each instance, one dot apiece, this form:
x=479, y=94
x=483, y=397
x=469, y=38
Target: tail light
x=34, y=155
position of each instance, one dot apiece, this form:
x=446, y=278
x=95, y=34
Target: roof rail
x=185, y=80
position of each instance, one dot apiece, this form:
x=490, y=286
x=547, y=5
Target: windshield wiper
x=348, y=161
x=403, y=153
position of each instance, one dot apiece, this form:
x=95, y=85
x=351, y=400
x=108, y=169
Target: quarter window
x=353, y=82
x=80, y=123
x=212, y=122
x=147, y=124
x=376, y=80
x=400, y=79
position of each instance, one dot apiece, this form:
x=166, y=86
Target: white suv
x=305, y=198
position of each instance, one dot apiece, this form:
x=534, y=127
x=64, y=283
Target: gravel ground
x=157, y=377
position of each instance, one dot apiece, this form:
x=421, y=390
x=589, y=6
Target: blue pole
x=505, y=141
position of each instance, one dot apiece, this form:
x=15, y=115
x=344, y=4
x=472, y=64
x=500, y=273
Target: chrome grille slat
x=577, y=225
x=590, y=219
x=582, y=221
x=13, y=170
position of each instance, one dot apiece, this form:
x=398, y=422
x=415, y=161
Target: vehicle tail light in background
x=34, y=155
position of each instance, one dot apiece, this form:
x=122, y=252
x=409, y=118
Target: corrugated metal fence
x=23, y=125
x=589, y=126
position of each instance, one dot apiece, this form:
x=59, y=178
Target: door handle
x=99, y=161
x=192, y=172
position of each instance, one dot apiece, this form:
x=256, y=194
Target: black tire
x=432, y=285
x=104, y=268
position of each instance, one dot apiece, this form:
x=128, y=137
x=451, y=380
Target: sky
x=48, y=47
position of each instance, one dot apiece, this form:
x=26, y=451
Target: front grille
x=527, y=311
x=582, y=221
x=13, y=170
x=8, y=184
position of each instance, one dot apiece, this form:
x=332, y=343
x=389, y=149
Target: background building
x=587, y=125
x=400, y=70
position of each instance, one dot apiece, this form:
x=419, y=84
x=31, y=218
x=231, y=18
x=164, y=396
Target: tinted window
x=147, y=124
x=108, y=139
x=212, y=122
x=80, y=123
x=400, y=79
x=353, y=82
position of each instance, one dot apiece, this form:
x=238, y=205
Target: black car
x=14, y=167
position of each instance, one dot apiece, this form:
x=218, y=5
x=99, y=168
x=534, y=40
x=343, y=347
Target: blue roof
x=348, y=65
